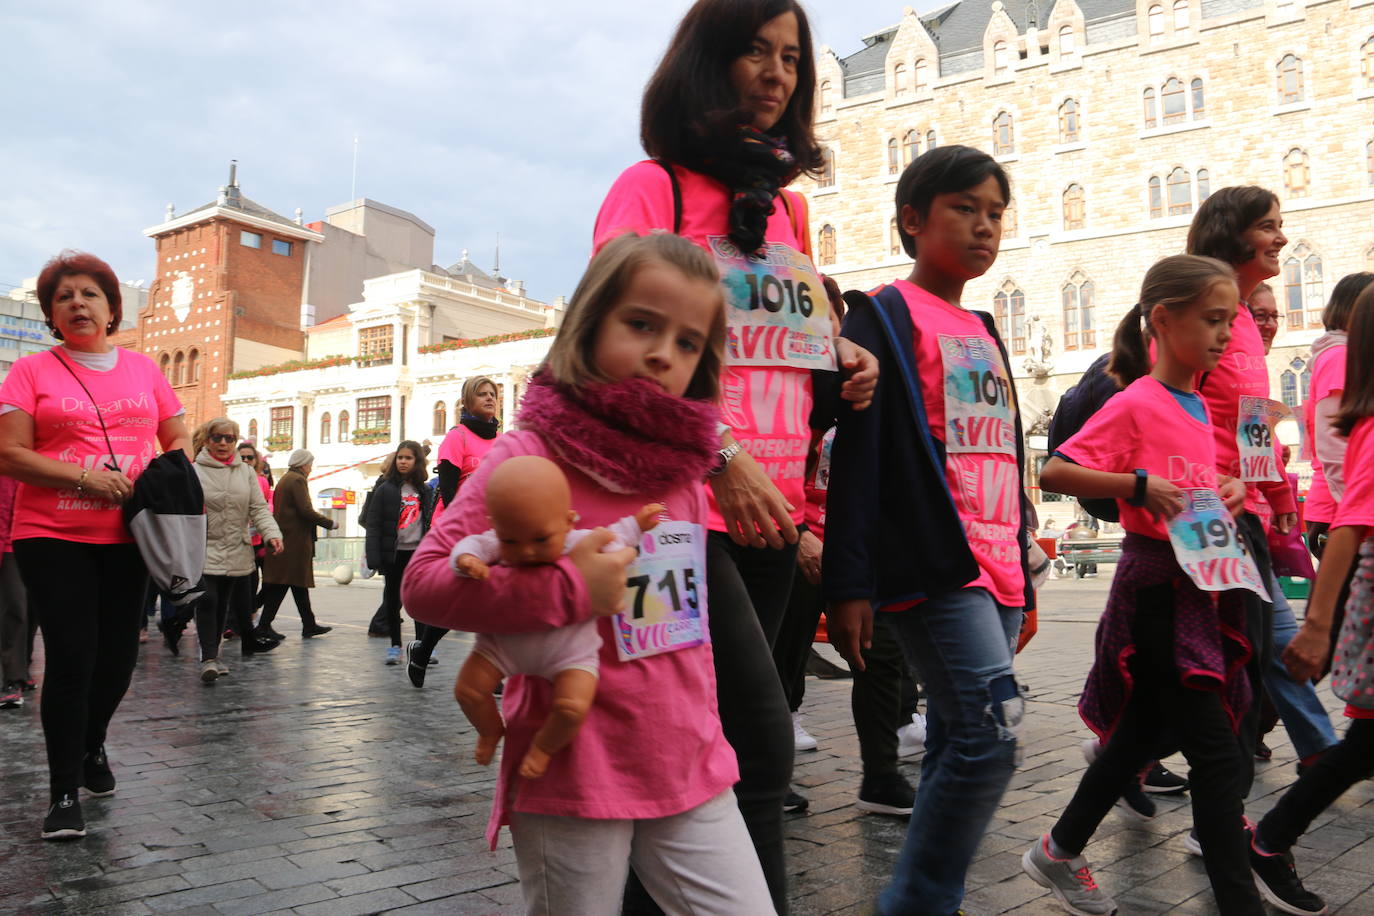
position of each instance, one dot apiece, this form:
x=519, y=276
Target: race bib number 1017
x=777, y=310
x=978, y=402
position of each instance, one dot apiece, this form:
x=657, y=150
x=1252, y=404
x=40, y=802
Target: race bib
x=822, y=481
x=777, y=310
x=666, y=593
x=978, y=407
x=1255, y=436
x=1208, y=546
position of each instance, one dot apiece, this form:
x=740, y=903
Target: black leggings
x=223, y=595
x=1322, y=783
x=89, y=600
x=272, y=596
x=391, y=594
x=1259, y=627
x=1163, y=716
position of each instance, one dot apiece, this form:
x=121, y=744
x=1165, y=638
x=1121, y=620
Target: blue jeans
x=961, y=646
x=1302, y=712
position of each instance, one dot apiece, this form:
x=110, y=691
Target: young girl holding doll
x=625, y=405
x=1168, y=673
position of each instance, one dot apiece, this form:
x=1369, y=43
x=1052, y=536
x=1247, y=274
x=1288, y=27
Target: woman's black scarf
x=487, y=429
x=754, y=165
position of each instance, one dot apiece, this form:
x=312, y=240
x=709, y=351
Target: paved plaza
x=315, y=780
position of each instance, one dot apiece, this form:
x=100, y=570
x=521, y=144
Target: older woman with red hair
x=76, y=454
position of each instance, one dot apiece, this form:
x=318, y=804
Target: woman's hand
x=111, y=486
x=850, y=627
x=1162, y=499
x=1232, y=492
x=275, y=545
x=809, y=557
x=1306, y=653
x=755, y=513
x=603, y=573
x=1285, y=522
x=860, y=369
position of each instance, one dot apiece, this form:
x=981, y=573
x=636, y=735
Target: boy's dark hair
x=1336, y=315
x=944, y=170
x=1357, y=402
x=1216, y=229
x=691, y=108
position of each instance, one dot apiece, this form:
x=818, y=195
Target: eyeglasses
x=1273, y=318
x=222, y=437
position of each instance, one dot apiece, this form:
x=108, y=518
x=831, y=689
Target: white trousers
x=700, y=862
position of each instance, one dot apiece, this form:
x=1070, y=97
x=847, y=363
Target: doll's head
x=531, y=512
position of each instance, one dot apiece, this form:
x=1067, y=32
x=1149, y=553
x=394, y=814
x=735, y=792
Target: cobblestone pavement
x=316, y=780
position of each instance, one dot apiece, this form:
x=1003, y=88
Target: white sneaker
x=223, y=668
x=208, y=671
x=911, y=738
x=801, y=738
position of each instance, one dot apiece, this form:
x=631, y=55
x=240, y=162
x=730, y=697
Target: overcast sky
x=478, y=117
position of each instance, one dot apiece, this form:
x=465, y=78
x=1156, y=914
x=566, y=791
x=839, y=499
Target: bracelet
x=81, y=483
x=723, y=459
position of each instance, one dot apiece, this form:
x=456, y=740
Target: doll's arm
x=474, y=554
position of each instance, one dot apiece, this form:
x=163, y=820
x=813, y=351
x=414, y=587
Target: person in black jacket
x=397, y=517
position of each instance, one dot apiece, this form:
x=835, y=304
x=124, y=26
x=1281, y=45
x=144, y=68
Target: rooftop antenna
x=497, y=270
x=353, y=189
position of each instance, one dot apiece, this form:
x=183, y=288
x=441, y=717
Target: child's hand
x=603, y=573
x=849, y=625
x=647, y=518
x=472, y=567
x=860, y=369
x=1232, y=492
x=1306, y=653
x=1162, y=499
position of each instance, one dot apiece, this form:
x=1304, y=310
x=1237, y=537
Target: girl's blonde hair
x=608, y=275
x=1174, y=282
x=201, y=437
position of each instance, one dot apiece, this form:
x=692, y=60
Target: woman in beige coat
x=233, y=498
x=293, y=568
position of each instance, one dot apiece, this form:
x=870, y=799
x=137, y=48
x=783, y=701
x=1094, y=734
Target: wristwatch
x=723, y=459
x=1142, y=476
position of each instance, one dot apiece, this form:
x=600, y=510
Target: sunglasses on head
x=222, y=437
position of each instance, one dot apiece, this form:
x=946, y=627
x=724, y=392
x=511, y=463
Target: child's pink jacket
x=652, y=744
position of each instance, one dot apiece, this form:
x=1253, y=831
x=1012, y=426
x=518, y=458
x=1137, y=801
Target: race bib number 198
x=1209, y=548
x=665, y=600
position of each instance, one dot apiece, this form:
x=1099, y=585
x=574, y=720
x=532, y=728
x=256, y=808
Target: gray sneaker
x=1068, y=879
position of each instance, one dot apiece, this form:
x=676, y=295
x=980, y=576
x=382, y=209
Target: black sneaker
x=64, y=820
x=12, y=695
x=1278, y=882
x=171, y=637
x=416, y=662
x=98, y=780
x=268, y=633
x=890, y=795
x=1136, y=805
x=316, y=630
x=794, y=803
x=1160, y=781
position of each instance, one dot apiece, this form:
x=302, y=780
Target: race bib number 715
x=665, y=599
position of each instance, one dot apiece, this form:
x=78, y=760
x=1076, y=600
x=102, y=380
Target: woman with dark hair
x=459, y=455
x=76, y=456
x=727, y=118
x=397, y=514
x=248, y=454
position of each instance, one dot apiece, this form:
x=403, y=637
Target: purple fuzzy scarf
x=629, y=436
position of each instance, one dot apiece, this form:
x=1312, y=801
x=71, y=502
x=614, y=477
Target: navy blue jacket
x=892, y=533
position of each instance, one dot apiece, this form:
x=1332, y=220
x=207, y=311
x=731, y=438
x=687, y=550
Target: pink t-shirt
x=1144, y=426
x=1357, y=505
x=767, y=406
x=967, y=392
x=1328, y=377
x=464, y=449
x=134, y=399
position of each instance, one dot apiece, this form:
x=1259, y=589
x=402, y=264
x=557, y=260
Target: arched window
x=1074, y=207
x=1001, y=57
x=1367, y=63
x=922, y=75
x=1009, y=308
x=1156, y=197
x=1180, y=192
x=1204, y=185
x=1181, y=17
x=343, y=426
x=1068, y=121
x=1156, y=17
x=193, y=367
x=253, y=431
x=826, y=244
x=1067, y=47
x=179, y=368
x=1290, y=79
x=894, y=238
x=1199, y=100
x=827, y=179
x=1151, y=116
x=930, y=140
x=1305, y=383
x=827, y=98
x=324, y=428
x=901, y=81
x=894, y=157
x=1302, y=286
x=165, y=364
x=1288, y=388
x=440, y=419
x=912, y=145
x=1003, y=140
x=1296, y=174
x=1079, y=329
x=1175, y=101
x=1009, y=221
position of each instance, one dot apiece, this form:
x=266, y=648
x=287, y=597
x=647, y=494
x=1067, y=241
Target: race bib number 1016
x=777, y=310
x=665, y=600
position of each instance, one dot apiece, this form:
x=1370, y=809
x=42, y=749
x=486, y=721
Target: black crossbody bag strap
x=113, y=463
x=677, y=196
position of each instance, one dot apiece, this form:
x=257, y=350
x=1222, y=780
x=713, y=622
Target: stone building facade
x=1114, y=119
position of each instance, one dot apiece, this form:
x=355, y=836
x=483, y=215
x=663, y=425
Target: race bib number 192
x=1209, y=547
x=665, y=600
x=1255, y=438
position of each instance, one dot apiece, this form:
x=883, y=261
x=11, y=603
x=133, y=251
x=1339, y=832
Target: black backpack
x=1076, y=407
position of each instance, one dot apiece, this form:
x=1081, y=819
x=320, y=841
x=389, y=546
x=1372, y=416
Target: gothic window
x=1302, y=286
x=440, y=418
x=324, y=428
x=165, y=364
x=1296, y=175
x=912, y=145
x=1180, y=192
x=827, y=179
x=1066, y=42
x=1009, y=221
x=343, y=426
x=1074, y=207
x=826, y=246
x=1001, y=57
x=1199, y=99
x=1181, y=20
x=1009, y=308
x=1175, y=101
x=901, y=81
x=827, y=98
x=1068, y=121
x=1079, y=328
x=193, y=367
x=1290, y=79
x=894, y=159
x=1204, y=185
x=179, y=368
x=930, y=140
x=922, y=75
x=894, y=238
x=1151, y=112
x=1156, y=197
x=1367, y=63
x=1288, y=387
x=1156, y=17
x=1003, y=140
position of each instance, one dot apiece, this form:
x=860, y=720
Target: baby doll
x=530, y=506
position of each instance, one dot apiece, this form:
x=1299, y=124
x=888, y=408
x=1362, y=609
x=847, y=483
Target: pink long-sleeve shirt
x=652, y=745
